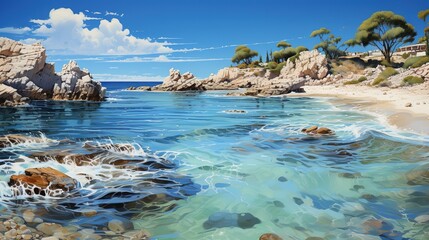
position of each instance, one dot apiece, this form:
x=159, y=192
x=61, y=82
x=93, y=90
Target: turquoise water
x=244, y=174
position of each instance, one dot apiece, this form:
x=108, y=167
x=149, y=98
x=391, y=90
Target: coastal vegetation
x=415, y=62
x=243, y=54
x=423, y=15
x=411, y=80
x=328, y=43
x=386, y=31
x=383, y=76
x=356, y=81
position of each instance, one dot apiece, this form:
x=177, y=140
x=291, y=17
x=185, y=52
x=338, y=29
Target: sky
x=140, y=40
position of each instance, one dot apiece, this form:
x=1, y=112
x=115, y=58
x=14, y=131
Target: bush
x=416, y=62
x=385, y=63
x=378, y=80
x=411, y=80
x=406, y=55
x=356, y=81
x=275, y=67
x=242, y=66
x=388, y=72
x=254, y=64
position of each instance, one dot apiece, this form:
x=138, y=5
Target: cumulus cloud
x=164, y=58
x=128, y=78
x=15, y=30
x=65, y=32
x=113, y=14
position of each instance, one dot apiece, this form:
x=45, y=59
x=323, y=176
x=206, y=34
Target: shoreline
x=387, y=102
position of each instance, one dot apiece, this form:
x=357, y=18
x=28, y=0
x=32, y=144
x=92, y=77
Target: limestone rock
x=176, y=82
x=23, y=68
x=120, y=226
x=43, y=179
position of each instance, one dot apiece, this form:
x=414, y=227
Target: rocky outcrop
x=178, y=82
x=258, y=81
x=43, y=180
x=25, y=75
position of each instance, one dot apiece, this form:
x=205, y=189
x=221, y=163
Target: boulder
x=23, y=68
x=315, y=130
x=43, y=179
x=12, y=139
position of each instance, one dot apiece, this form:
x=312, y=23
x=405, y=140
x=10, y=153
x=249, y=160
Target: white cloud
x=168, y=38
x=30, y=40
x=97, y=13
x=67, y=33
x=164, y=58
x=15, y=30
x=127, y=78
x=113, y=14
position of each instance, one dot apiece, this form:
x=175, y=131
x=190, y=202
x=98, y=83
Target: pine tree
x=260, y=58
x=267, y=58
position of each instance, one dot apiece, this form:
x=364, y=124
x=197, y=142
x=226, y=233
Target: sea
x=189, y=166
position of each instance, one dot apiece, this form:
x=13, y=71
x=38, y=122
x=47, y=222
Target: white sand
x=386, y=101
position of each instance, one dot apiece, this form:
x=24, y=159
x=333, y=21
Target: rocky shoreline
x=25, y=75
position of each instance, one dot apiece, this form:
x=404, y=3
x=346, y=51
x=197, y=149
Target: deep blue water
x=228, y=175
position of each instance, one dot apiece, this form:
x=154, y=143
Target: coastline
x=388, y=102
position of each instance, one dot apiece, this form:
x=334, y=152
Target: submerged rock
x=43, y=179
x=270, y=236
x=225, y=219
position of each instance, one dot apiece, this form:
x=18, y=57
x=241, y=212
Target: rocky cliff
x=25, y=75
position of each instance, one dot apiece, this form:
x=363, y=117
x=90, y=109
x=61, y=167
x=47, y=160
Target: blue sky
x=142, y=40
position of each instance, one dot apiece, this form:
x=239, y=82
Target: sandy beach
x=394, y=104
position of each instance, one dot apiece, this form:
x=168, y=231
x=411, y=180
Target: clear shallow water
x=296, y=186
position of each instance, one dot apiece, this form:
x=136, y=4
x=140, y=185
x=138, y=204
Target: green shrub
x=411, y=80
x=406, y=55
x=242, y=66
x=275, y=67
x=415, y=62
x=356, y=81
x=388, y=72
x=254, y=64
x=378, y=80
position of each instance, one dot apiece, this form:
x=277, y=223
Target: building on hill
x=415, y=49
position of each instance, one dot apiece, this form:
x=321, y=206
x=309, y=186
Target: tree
x=284, y=54
x=423, y=15
x=386, y=31
x=260, y=58
x=267, y=58
x=243, y=54
x=328, y=43
x=283, y=44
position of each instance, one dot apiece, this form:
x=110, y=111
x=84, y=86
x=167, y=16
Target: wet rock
x=298, y=201
x=89, y=213
x=236, y=111
x=418, y=177
x=120, y=226
x=350, y=175
x=137, y=235
x=141, y=88
x=357, y=187
x=377, y=227
x=422, y=219
x=12, y=139
x=225, y=219
x=49, y=228
x=282, y=179
x=369, y=197
x=317, y=130
x=278, y=204
x=42, y=178
x=110, y=147
x=270, y=236
x=28, y=216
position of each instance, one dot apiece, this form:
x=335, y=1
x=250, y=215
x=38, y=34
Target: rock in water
x=177, y=82
x=25, y=75
x=43, y=179
x=270, y=236
x=224, y=219
x=318, y=131
x=11, y=139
